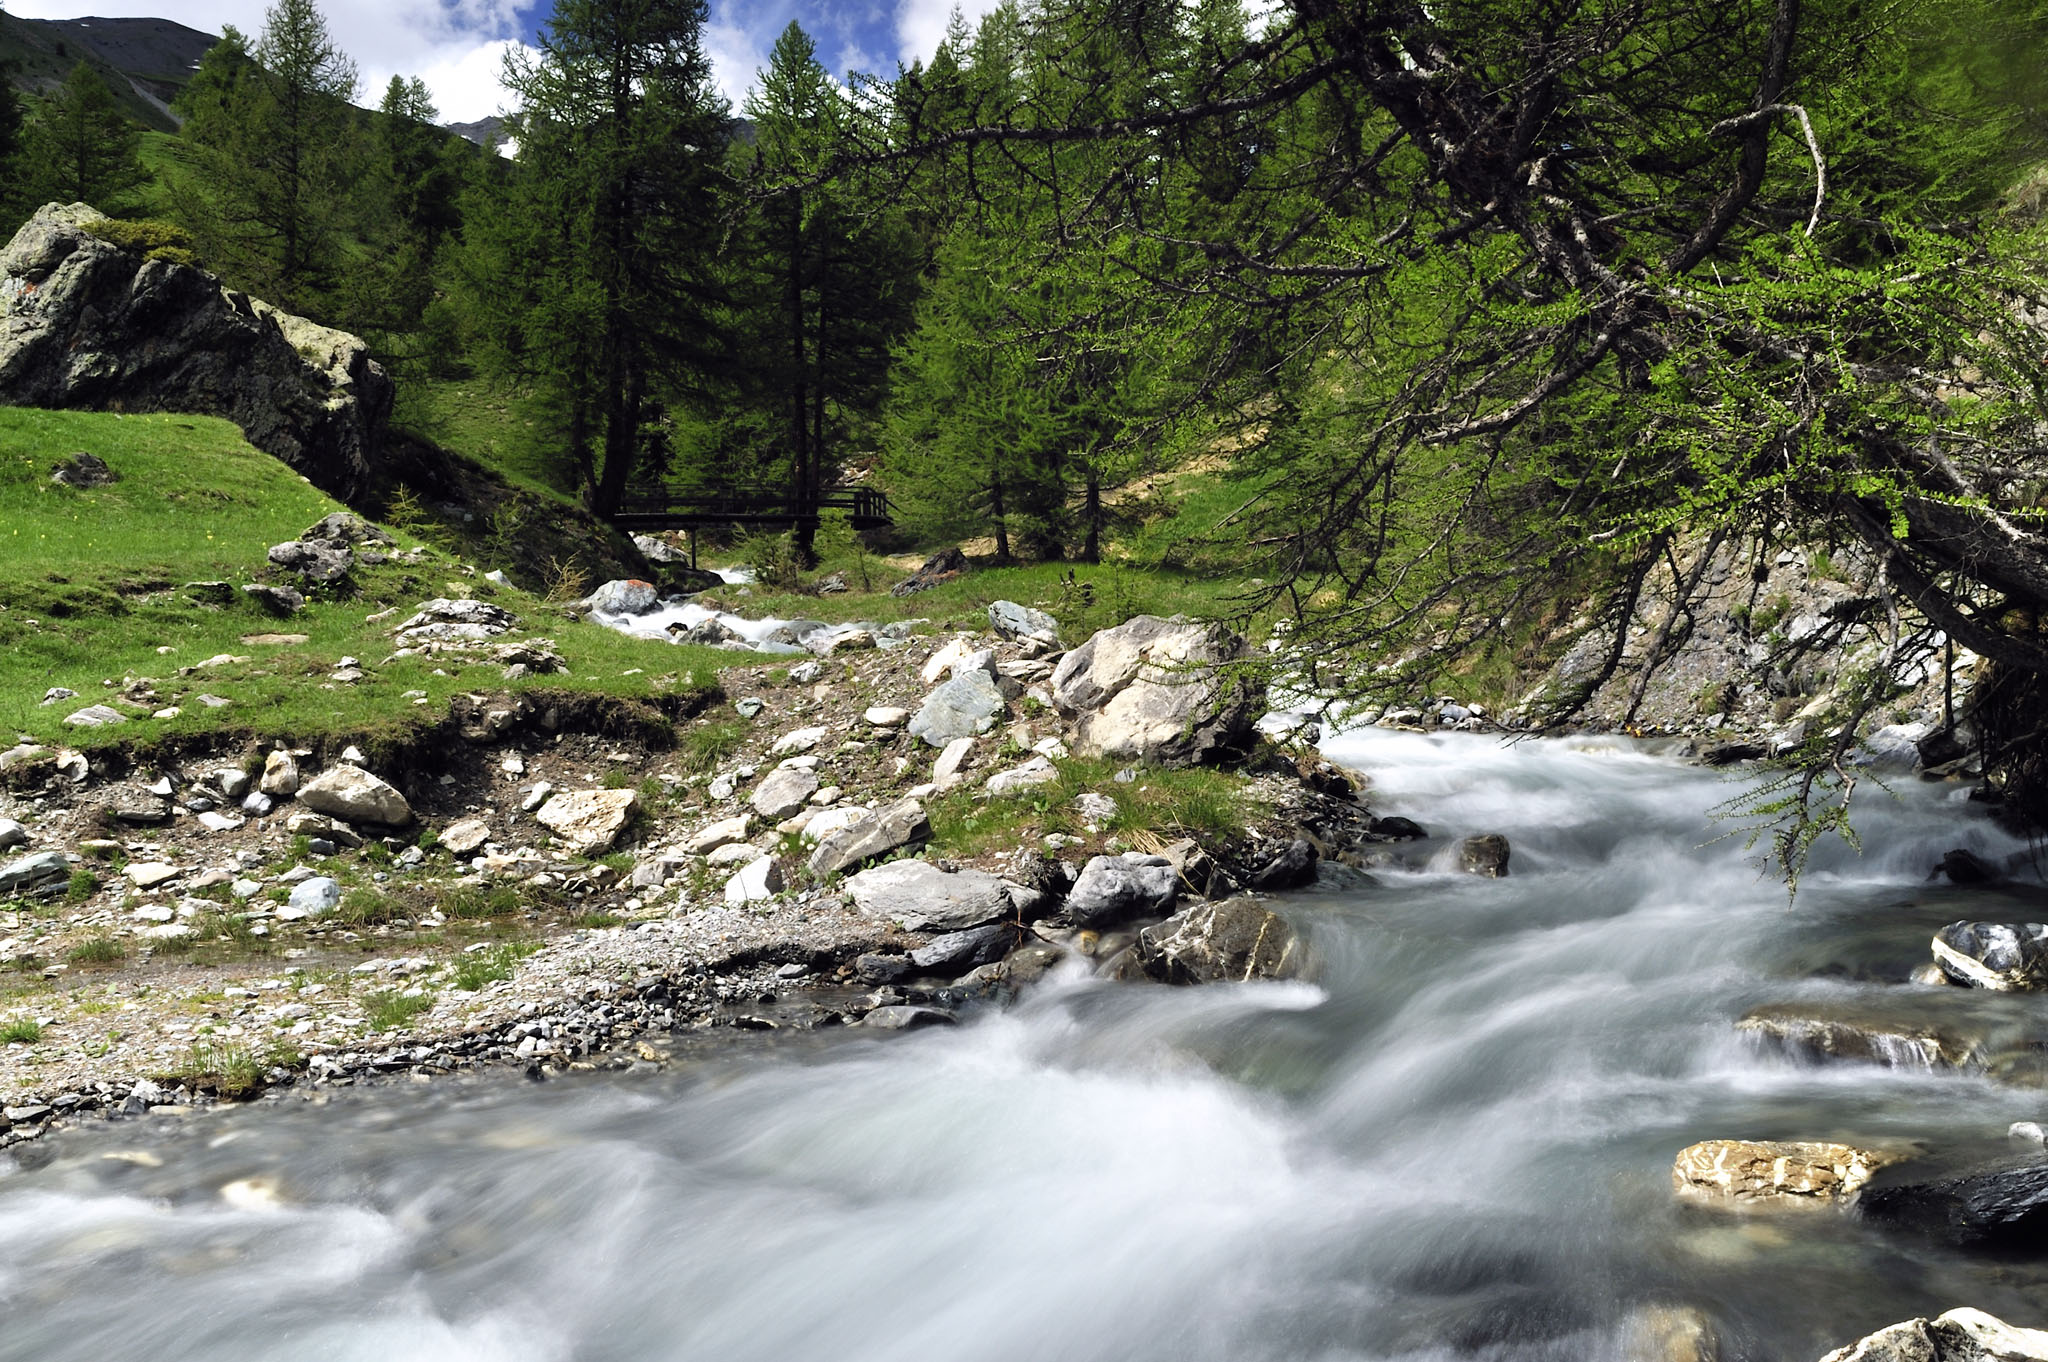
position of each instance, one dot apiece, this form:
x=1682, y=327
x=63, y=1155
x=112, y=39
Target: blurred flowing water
x=1456, y=1143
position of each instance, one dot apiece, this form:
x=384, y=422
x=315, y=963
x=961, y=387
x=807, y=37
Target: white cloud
x=456, y=46
x=921, y=24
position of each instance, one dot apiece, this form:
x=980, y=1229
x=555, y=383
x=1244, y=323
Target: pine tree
x=85, y=148
x=603, y=279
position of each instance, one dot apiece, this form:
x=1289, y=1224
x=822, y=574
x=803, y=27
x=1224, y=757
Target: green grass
x=1209, y=806
x=229, y=1069
x=24, y=1029
x=475, y=970
x=390, y=1009
x=504, y=430
x=477, y=901
x=91, y=582
x=97, y=949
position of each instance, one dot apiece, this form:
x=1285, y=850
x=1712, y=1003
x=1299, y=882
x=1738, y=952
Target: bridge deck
x=865, y=508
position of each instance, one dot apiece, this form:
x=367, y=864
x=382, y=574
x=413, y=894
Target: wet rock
x=1019, y=623
x=589, y=820
x=1901, y=1041
x=889, y=828
x=942, y=566
x=923, y=898
x=877, y=967
x=355, y=796
x=278, y=600
x=1670, y=1333
x=95, y=716
x=1157, y=690
x=1199, y=874
x=1963, y=867
x=1397, y=829
x=966, y=705
x=957, y=952
x=1963, y=1335
x=1999, y=1206
x=1485, y=856
x=1115, y=889
x=1237, y=939
x=2005, y=957
x=1293, y=868
x=707, y=633
x=785, y=791
x=31, y=873
x=760, y=878
x=903, y=1017
x=1773, y=1172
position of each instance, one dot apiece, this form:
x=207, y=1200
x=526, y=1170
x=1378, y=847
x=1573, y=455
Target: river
x=1457, y=1143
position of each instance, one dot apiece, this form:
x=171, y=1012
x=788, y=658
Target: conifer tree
x=85, y=148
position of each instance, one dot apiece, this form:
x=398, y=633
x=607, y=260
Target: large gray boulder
x=1963, y=1335
x=1020, y=623
x=923, y=898
x=966, y=705
x=87, y=324
x=1158, y=690
x=1115, y=889
x=30, y=873
x=1232, y=941
x=900, y=824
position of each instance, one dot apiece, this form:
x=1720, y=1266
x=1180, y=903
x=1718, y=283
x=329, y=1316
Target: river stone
x=588, y=820
x=923, y=898
x=1115, y=889
x=1294, y=867
x=1235, y=940
x=34, y=872
x=355, y=796
x=785, y=791
x=888, y=828
x=963, y=707
x=95, y=716
x=626, y=596
x=1199, y=874
x=280, y=778
x=86, y=324
x=1963, y=1335
x=760, y=878
x=315, y=896
x=2000, y=956
x=1998, y=1206
x=722, y=833
x=902, y=1017
x=467, y=836
x=886, y=716
x=957, y=952
x=1485, y=856
x=1397, y=828
x=1771, y=1172
x=1020, y=622
x=1157, y=690
x=1905, y=1039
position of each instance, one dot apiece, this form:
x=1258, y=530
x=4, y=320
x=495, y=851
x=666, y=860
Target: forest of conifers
x=1462, y=302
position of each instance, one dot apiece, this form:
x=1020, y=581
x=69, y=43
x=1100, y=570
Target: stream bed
x=1456, y=1143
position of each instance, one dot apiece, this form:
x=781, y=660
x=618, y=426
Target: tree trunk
x=995, y=506
x=1091, y=550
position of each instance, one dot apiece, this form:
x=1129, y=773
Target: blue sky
x=458, y=46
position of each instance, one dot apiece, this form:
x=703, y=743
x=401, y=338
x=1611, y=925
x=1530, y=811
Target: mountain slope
x=144, y=61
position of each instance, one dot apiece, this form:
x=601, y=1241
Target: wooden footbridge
x=662, y=508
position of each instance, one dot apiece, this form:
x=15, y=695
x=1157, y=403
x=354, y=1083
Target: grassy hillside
x=143, y=61
x=93, y=591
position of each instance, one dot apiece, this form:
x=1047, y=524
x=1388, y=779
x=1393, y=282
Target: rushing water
x=1456, y=1144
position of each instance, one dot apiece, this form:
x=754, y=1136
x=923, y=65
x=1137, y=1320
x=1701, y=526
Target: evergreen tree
x=273, y=131
x=85, y=148
x=596, y=270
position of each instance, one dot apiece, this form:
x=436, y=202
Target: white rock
x=732, y=853
x=941, y=662
x=759, y=879
x=232, y=780
x=355, y=796
x=827, y=796
x=466, y=836
x=536, y=797
x=946, y=771
x=824, y=823
x=784, y=792
x=315, y=896
x=887, y=716
x=590, y=820
x=220, y=822
x=280, y=777
x=245, y=889
x=149, y=874
x=1037, y=771
x=798, y=740
x=12, y=834
x=722, y=833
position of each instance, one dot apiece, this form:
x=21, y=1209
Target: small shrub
x=98, y=949
x=150, y=238
x=25, y=1029
x=83, y=885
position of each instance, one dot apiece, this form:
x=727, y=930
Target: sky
x=458, y=46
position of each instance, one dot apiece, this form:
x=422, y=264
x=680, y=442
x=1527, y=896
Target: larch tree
x=86, y=148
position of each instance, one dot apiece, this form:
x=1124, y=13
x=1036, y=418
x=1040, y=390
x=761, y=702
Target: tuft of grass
x=473, y=971
x=388, y=1009
x=24, y=1029
x=476, y=901
x=705, y=745
x=231, y=1070
x=98, y=949
x=82, y=886
x=595, y=920
x=366, y=907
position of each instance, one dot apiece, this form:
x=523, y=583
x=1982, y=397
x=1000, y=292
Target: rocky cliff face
x=86, y=324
